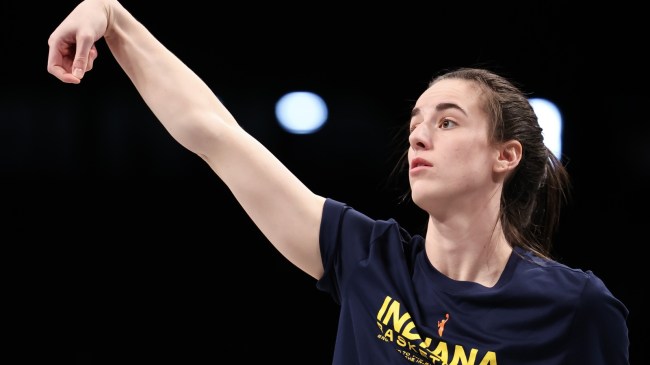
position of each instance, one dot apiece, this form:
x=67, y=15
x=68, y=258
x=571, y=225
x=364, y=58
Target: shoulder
x=347, y=231
x=581, y=288
x=341, y=217
x=549, y=269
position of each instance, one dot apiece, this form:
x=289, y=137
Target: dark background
x=122, y=240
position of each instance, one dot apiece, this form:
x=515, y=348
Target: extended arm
x=284, y=209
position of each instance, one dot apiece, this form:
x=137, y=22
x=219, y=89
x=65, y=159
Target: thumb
x=83, y=57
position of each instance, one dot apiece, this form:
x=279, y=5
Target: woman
x=478, y=288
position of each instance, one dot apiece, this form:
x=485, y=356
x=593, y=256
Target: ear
x=509, y=156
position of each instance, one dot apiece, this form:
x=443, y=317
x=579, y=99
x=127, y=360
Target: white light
x=301, y=112
x=550, y=120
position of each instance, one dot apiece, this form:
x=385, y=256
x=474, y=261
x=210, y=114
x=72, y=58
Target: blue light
x=301, y=112
x=550, y=120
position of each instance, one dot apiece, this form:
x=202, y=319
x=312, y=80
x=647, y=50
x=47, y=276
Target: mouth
x=418, y=162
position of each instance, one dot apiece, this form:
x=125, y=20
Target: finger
x=84, y=56
x=55, y=65
x=91, y=58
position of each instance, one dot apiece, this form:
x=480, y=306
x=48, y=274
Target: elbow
x=199, y=134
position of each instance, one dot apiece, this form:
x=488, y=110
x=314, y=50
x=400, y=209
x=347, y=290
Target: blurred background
x=121, y=238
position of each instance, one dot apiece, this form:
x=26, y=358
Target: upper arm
x=285, y=210
x=600, y=333
x=282, y=207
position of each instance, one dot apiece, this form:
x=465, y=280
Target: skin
x=456, y=175
x=460, y=187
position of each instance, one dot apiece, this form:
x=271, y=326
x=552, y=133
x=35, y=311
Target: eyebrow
x=441, y=107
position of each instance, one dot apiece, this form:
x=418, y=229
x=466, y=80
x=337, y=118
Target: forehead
x=463, y=93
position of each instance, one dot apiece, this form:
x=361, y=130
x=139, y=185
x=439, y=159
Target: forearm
x=181, y=101
x=286, y=211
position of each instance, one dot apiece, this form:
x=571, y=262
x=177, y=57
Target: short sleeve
x=599, y=332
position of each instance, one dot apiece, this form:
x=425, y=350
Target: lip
x=418, y=164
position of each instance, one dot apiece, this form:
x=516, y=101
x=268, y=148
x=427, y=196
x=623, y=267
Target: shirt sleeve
x=599, y=332
x=339, y=220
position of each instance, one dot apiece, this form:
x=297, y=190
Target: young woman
x=478, y=288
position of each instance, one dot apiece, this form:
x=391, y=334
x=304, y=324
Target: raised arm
x=283, y=208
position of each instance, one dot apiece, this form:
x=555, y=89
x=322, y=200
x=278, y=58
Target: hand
x=72, y=50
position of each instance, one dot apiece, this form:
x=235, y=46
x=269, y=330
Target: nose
x=419, y=137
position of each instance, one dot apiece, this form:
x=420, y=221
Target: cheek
x=471, y=146
x=470, y=159
x=463, y=154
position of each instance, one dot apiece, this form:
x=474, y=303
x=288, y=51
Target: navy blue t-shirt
x=396, y=308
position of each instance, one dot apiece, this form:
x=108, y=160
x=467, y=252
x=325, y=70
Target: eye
x=447, y=123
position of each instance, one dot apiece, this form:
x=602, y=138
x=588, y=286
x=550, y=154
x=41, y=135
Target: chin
x=418, y=198
x=424, y=198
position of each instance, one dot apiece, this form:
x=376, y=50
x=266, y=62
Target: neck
x=466, y=251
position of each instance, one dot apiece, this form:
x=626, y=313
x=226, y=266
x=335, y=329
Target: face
x=450, y=157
